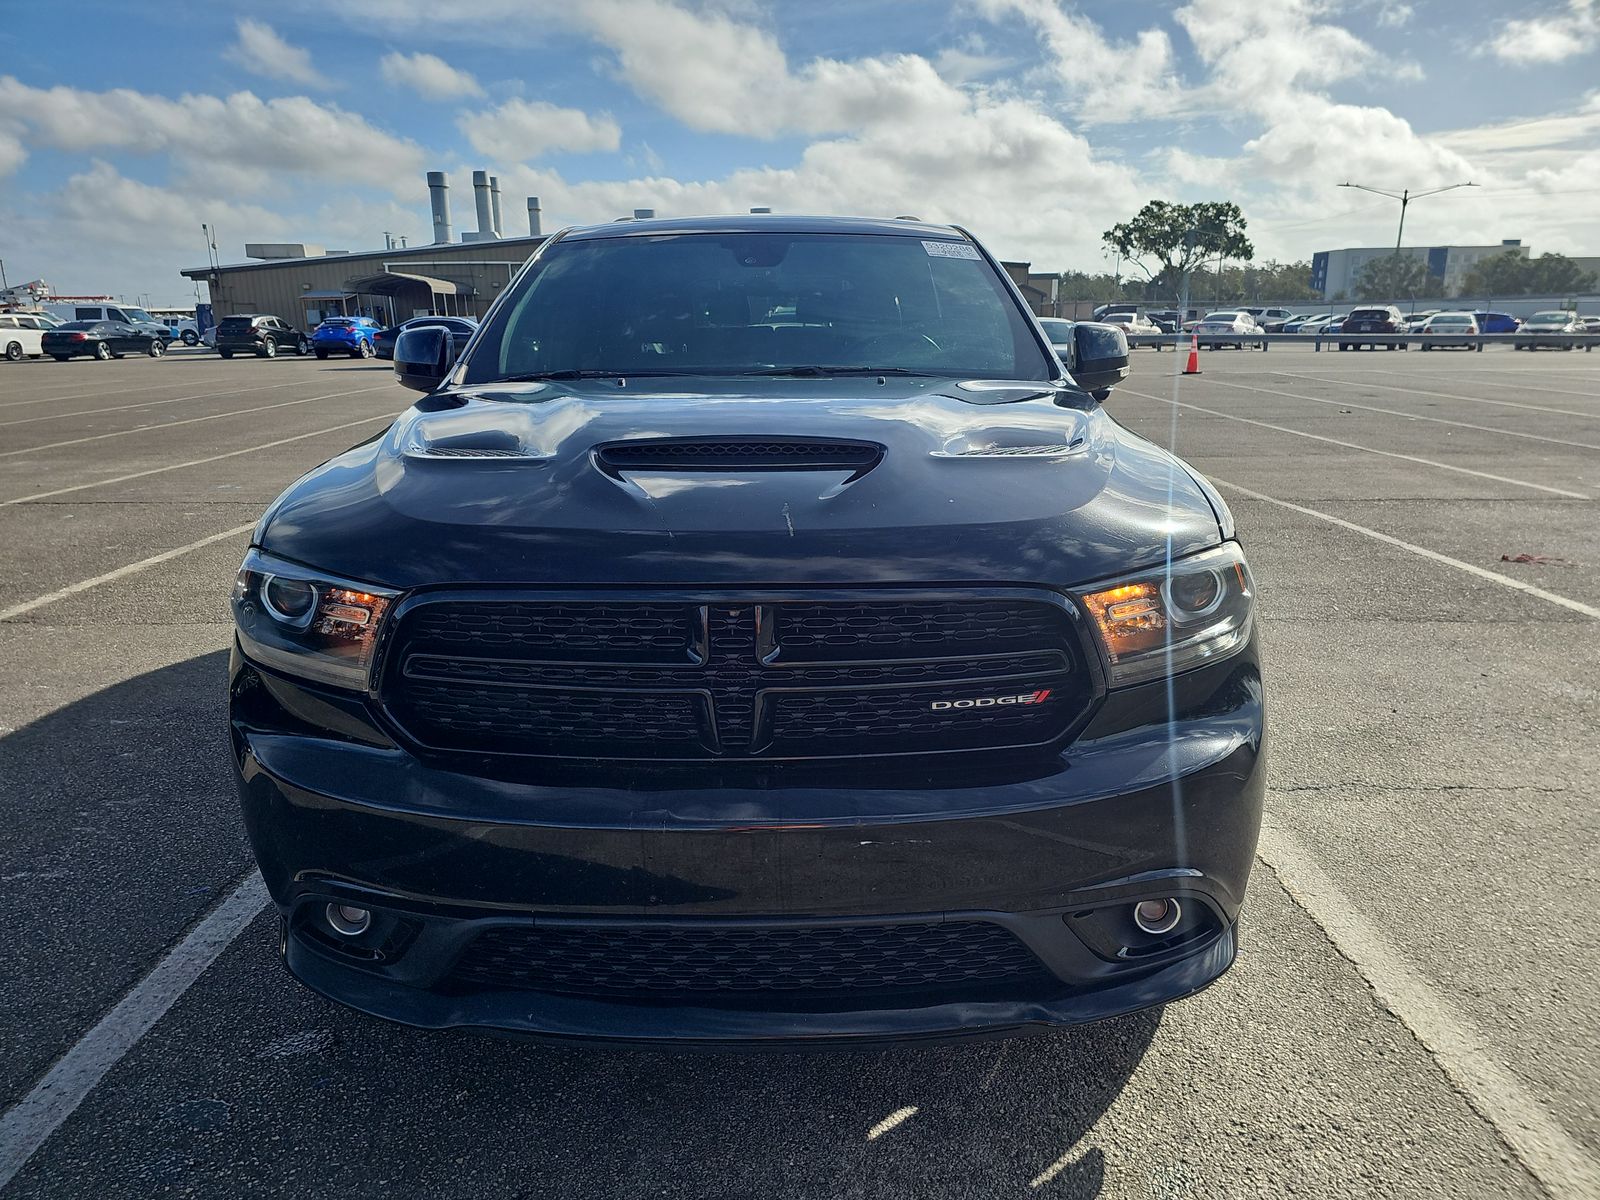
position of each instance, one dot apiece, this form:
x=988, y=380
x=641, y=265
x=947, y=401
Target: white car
x=1221, y=328
x=1449, y=329
x=1132, y=323
x=20, y=334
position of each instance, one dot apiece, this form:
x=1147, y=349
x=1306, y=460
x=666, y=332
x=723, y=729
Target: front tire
x=302, y=347
x=225, y=353
x=157, y=348
x=14, y=351
x=191, y=338
x=366, y=348
x=102, y=351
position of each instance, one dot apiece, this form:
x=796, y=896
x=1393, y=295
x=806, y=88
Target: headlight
x=307, y=623
x=1172, y=618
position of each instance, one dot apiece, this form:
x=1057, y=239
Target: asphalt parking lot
x=1413, y=1013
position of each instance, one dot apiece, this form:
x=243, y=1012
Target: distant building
x=1334, y=272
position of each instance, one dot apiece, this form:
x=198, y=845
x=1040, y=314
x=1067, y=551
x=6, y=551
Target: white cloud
x=1146, y=80
x=1553, y=37
x=249, y=142
x=428, y=75
x=12, y=152
x=261, y=51
x=522, y=130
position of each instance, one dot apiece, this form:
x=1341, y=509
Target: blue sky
x=1037, y=123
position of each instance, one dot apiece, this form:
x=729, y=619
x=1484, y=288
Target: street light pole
x=1405, y=197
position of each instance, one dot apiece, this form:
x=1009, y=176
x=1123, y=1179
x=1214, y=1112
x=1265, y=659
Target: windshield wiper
x=838, y=371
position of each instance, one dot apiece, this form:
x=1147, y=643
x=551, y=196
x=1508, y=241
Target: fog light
x=347, y=920
x=1157, y=917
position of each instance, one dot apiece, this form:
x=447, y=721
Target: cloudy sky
x=1037, y=123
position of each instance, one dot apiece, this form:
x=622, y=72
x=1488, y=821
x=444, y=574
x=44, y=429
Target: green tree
x=1558, y=275
x=1503, y=275
x=1396, y=277
x=1165, y=240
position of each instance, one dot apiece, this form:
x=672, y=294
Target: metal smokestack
x=533, y=217
x=439, y=197
x=494, y=204
x=480, y=193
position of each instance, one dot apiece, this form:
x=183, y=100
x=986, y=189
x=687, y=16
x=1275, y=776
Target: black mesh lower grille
x=743, y=962
x=734, y=679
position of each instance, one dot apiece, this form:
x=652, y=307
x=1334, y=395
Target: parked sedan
x=461, y=331
x=355, y=336
x=1496, y=322
x=1133, y=323
x=1551, y=328
x=100, y=339
x=1226, y=328
x=1382, y=320
x=1301, y=324
x=1449, y=329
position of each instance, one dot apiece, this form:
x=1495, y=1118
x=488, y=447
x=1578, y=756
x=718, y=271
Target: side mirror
x=422, y=357
x=1099, y=357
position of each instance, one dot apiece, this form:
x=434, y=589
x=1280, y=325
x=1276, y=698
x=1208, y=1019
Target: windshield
x=1550, y=318
x=1221, y=316
x=740, y=303
x=139, y=314
x=1450, y=321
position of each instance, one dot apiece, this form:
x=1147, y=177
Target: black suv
x=260, y=334
x=760, y=635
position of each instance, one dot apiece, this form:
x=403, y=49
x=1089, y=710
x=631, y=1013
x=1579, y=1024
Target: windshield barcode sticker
x=950, y=249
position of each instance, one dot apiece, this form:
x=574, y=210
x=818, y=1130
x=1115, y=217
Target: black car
x=759, y=636
x=1386, y=319
x=99, y=339
x=260, y=334
x=461, y=331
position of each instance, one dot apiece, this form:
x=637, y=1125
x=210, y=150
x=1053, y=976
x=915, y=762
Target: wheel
x=1344, y=345
x=366, y=348
x=157, y=348
x=269, y=349
x=191, y=338
x=102, y=351
x=14, y=351
x=225, y=353
x=302, y=347
x=322, y=354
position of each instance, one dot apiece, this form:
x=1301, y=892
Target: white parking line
x=1416, y=391
x=1499, y=430
x=98, y=391
x=193, y=462
x=27, y=606
x=1521, y=386
x=1576, y=606
x=237, y=412
x=94, y=412
x=1317, y=437
x=1535, y=1135
x=27, y=1124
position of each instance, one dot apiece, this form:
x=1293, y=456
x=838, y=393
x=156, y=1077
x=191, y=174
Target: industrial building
x=1333, y=272
x=305, y=283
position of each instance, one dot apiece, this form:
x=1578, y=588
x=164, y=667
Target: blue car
x=354, y=336
x=1496, y=322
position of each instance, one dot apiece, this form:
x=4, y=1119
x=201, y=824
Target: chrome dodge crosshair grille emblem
x=1038, y=697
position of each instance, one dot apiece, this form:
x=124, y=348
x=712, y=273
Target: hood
x=789, y=481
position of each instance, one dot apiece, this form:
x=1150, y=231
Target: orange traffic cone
x=1192, y=367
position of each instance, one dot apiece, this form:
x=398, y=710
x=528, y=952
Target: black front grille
x=733, y=679
x=746, y=962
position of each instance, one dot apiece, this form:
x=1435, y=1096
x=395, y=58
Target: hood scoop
x=702, y=454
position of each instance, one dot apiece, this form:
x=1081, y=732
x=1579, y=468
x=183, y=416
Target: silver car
x=1552, y=328
x=1449, y=329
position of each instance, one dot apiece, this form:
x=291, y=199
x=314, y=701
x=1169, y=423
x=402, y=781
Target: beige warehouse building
x=305, y=283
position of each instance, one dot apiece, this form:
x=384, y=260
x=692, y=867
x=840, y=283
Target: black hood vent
x=738, y=454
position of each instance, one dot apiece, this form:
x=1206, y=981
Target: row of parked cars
x=1436, y=327
x=38, y=334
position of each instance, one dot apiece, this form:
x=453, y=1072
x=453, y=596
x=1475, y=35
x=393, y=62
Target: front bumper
x=1138, y=807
